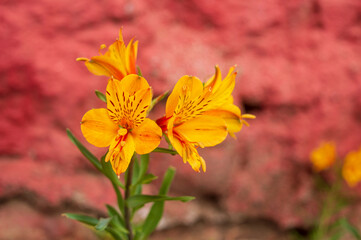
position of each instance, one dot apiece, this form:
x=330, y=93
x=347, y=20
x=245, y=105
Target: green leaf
x=144, y=161
x=136, y=169
x=139, y=72
x=157, y=100
x=116, y=235
x=82, y=218
x=165, y=150
x=170, y=146
x=336, y=236
x=103, y=224
x=138, y=200
x=148, y=179
x=117, y=222
x=120, y=199
x=351, y=229
x=156, y=212
x=84, y=151
x=101, y=96
x=167, y=181
x=114, y=213
x=109, y=172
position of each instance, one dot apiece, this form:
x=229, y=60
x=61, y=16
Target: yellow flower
x=200, y=115
x=351, y=170
x=123, y=125
x=324, y=156
x=118, y=62
x=222, y=101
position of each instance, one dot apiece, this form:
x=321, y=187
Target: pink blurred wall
x=299, y=67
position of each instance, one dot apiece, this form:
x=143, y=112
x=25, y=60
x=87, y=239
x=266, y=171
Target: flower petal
x=231, y=114
x=97, y=128
x=133, y=83
x=138, y=109
x=186, y=89
x=113, y=100
x=205, y=130
x=147, y=136
x=131, y=53
x=116, y=54
x=104, y=66
x=120, y=153
x=214, y=81
x=187, y=151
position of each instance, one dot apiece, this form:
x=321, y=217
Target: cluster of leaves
x=115, y=223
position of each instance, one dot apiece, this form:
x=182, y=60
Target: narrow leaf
x=102, y=223
x=120, y=199
x=139, y=72
x=148, y=179
x=336, y=236
x=82, y=218
x=117, y=222
x=109, y=172
x=156, y=100
x=167, y=181
x=165, y=150
x=84, y=151
x=351, y=229
x=138, y=200
x=156, y=212
x=114, y=213
x=116, y=235
x=144, y=161
x=101, y=96
x=136, y=169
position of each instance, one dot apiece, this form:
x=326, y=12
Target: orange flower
x=118, y=62
x=324, y=156
x=351, y=170
x=200, y=115
x=123, y=125
x=222, y=101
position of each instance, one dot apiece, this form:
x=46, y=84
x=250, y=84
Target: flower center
x=122, y=131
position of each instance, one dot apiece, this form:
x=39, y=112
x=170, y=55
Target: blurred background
x=299, y=65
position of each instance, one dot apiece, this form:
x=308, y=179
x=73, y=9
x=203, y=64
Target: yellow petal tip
x=250, y=116
x=82, y=59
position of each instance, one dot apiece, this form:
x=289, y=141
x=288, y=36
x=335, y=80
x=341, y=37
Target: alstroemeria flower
x=123, y=125
x=351, y=170
x=185, y=124
x=324, y=156
x=222, y=101
x=200, y=115
x=118, y=62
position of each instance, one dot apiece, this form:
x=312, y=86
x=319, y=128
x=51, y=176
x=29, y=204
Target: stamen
x=248, y=116
x=101, y=48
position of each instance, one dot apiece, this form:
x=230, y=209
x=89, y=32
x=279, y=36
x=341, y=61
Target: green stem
x=329, y=206
x=127, y=211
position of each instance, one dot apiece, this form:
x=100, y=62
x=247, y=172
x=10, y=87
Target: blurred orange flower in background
x=118, y=62
x=351, y=170
x=324, y=156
